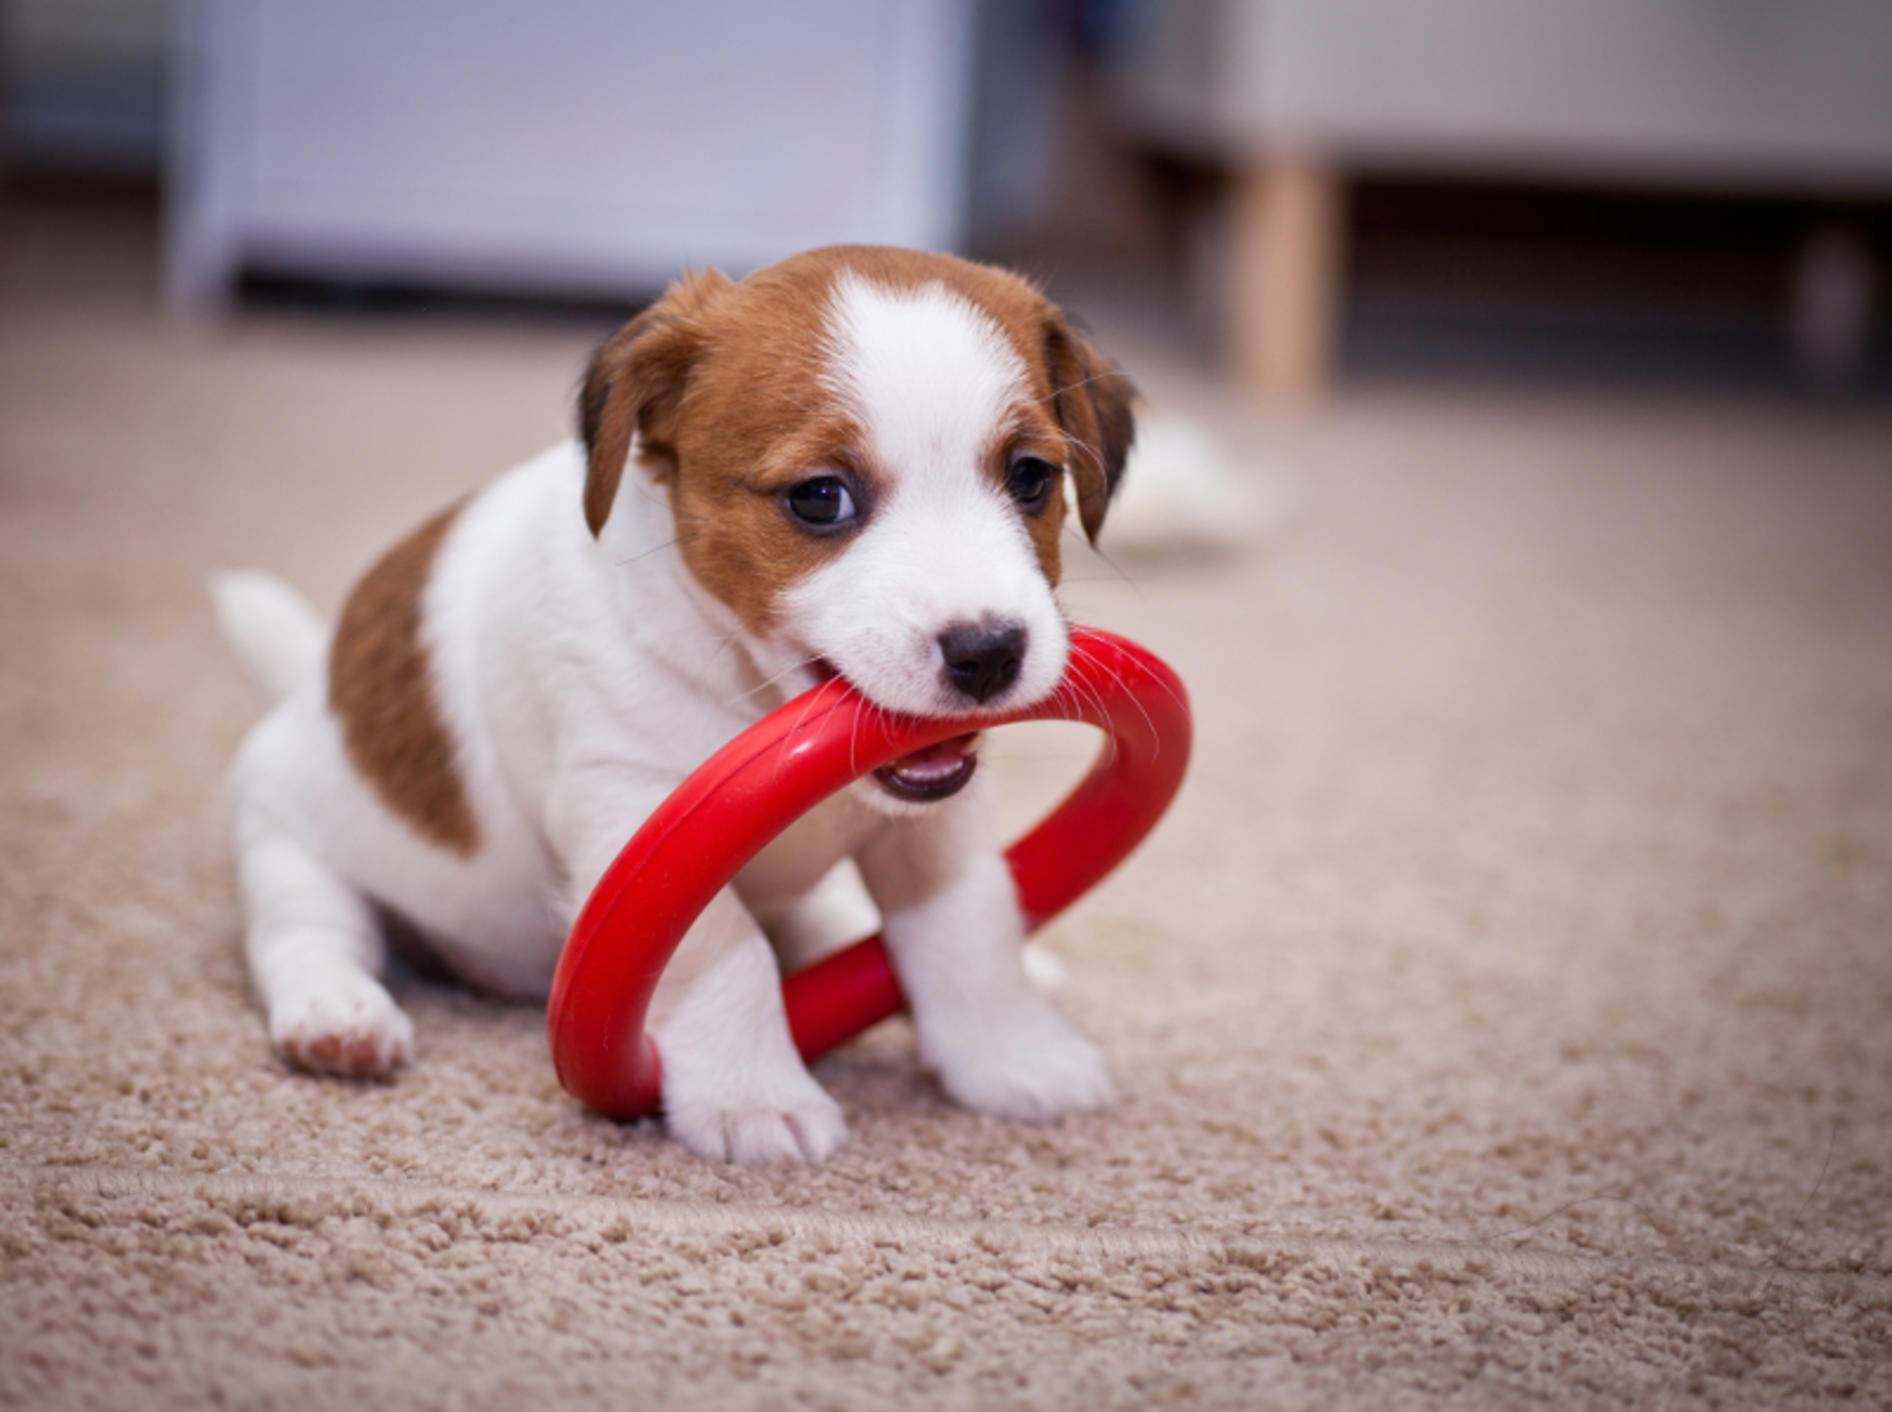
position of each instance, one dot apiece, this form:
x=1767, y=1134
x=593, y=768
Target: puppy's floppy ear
x=634, y=388
x=1092, y=401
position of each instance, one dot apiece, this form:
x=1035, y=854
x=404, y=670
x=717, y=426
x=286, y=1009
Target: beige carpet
x=1504, y=1014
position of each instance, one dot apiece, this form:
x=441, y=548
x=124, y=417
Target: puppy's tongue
x=936, y=761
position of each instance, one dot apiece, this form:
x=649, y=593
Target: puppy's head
x=866, y=451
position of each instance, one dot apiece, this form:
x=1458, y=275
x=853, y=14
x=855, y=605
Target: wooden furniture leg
x=1285, y=277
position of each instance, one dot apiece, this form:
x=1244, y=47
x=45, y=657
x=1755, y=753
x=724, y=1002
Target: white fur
x=277, y=635
x=957, y=942
x=581, y=679
x=1187, y=491
x=931, y=380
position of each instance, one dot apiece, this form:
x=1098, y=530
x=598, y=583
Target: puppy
x=851, y=464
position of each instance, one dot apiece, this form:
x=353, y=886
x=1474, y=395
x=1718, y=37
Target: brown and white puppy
x=851, y=463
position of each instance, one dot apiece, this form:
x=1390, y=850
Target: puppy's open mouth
x=937, y=772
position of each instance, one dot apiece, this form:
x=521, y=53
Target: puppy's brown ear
x=1092, y=400
x=635, y=385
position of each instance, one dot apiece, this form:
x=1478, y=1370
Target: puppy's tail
x=273, y=629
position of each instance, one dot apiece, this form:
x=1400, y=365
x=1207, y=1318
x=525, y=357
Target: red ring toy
x=776, y=771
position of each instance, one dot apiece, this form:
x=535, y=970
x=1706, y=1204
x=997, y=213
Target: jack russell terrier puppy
x=850, y=464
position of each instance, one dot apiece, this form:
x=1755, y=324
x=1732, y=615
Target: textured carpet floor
x=1502, y=1014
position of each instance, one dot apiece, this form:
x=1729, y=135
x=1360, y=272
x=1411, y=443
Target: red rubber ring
x=776, y=771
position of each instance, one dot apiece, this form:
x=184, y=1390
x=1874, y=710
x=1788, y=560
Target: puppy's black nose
x=982, y=659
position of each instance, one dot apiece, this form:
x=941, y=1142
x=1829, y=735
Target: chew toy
x=780, y=768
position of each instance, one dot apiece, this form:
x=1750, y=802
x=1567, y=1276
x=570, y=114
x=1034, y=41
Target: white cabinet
x=577, y=145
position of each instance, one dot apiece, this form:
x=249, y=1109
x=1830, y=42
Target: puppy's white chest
x=801, y=856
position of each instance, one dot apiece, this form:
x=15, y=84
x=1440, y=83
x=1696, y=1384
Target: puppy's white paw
x=1034, y=1066
x=1044, y=970
x=801, y=1124
x=344, y=1023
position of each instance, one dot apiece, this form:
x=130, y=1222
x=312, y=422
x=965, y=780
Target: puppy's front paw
x=344, y=1023
x=1034, y=1066
x=802, y=1124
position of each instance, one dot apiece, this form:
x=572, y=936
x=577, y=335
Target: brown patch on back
x=380, y=687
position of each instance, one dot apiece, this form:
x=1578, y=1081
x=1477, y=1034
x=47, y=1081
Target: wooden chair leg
x=1286, y=267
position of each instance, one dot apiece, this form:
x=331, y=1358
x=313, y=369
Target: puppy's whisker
x=1091, y=451
x=1154, y=676
x=742, y=696
x=1095, y=697
x=1069, y=698
x=814, y=700
x=1057, y=392
x=1116, y=676
x=1082, y=700
x=646, y=553
x=644, y=492
x=1105, y=559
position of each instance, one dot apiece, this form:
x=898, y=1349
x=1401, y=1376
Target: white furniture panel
x=579, y=144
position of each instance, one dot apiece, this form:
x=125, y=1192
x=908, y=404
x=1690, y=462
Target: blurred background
x=1293, y=196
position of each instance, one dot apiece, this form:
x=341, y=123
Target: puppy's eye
x=1030, y=481
x=821, y=502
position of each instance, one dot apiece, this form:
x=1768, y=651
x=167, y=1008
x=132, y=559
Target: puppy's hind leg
x=314, y=951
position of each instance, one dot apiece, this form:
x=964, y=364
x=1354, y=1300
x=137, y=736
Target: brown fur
x=1046, y=527
x=722, y=385
x=381, y=689
x=1093, y=401
x=635, y=387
